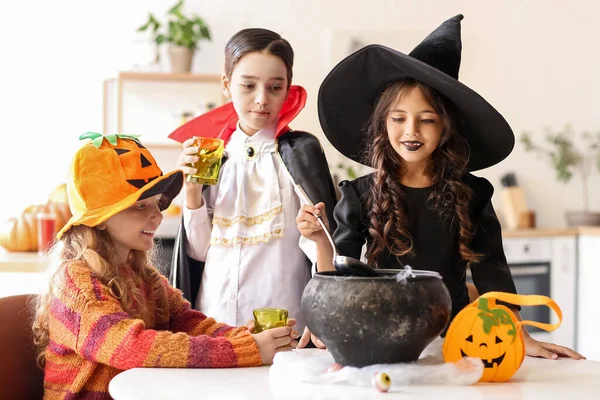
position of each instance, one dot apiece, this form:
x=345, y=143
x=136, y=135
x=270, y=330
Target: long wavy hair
x=137, y=285
x=388, y=222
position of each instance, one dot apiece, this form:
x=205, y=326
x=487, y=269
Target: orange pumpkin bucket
x=492, y=333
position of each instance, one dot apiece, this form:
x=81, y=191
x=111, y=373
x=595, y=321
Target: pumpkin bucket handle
x=528, y=300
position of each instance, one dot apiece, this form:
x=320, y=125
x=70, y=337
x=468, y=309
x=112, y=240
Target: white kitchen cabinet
x=588, y=290
x=547, y=265
x=563, y=283
x=574, y=258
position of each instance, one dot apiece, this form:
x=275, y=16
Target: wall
x=533, y=60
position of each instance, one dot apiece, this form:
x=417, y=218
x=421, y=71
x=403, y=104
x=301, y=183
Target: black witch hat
x=349, y=92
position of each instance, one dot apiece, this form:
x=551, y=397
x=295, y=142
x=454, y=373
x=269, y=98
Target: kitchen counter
x=22, y=273
x=536, y=379
x=545, y=232
x=21, y=262
x=32, y=262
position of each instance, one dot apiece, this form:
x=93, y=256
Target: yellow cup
x=210, y=154
x=267, y=318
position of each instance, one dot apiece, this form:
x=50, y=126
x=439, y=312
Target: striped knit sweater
x=92, y=339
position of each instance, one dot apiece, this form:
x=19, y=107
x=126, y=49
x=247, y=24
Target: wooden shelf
x=113, y=108
x=167, y=77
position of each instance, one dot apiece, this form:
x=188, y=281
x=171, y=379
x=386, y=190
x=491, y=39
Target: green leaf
x=502, y=317
x=155, y=24
x=180, y=30
x=487, y=325
x=89, y=135
x=112, y=139
x=98, y=141
x=352, y=173
x=563, y=156
x=151, y=22
x=128, y=136
x=97, y=138
x=487, y=321
x=142, y=28
x=176, y=8
x=483, y=305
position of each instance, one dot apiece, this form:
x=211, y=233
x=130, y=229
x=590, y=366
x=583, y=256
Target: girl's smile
x=412, y=145
x=414, y=129
x=134, y=228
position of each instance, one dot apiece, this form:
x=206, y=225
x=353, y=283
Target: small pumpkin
x=20, y=234
x=492, y=333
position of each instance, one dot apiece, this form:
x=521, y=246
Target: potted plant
x=182, y=34
x=567, y=160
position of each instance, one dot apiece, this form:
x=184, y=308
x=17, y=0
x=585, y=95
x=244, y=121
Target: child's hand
x=306, y=337
x=188, y=156
x=193, y=191
x=252, y=324
x=548, y=350
x=308, y=225
x=274, y=340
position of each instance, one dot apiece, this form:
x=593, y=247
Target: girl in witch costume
x=239, y=247
x=424, y=132
x=108, y=309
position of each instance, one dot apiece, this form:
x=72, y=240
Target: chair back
x=20, y=377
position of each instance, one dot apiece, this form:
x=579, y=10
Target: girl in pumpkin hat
x=108, y=309
x=239, y=248
x=424, y=133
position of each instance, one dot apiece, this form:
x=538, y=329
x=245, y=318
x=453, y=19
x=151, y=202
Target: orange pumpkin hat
x=109, y=174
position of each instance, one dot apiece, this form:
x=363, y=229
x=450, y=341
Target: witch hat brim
x=348, y=94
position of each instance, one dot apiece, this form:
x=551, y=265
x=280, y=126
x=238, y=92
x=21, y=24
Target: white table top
x=536, y=379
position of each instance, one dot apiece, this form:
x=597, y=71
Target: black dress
x=435, y=240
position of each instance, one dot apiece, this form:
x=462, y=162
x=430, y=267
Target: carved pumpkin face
x=138, y=163
x=489, y=332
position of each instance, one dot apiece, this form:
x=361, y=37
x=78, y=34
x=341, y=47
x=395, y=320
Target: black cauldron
x=376, y=320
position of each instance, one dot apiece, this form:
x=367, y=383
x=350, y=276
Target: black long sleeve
x=434, y=239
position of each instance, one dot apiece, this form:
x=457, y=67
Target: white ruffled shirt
x=247, y=235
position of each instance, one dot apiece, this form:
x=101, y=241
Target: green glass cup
x=210, y=155
x=267, y=318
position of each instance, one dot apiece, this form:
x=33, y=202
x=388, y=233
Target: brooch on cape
x=250, y=151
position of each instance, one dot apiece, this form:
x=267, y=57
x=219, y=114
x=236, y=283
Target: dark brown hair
x=258, y=40
x=450, y=196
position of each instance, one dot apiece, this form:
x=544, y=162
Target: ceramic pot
x=583, y=218
x=181, y=58
x=376, y=320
